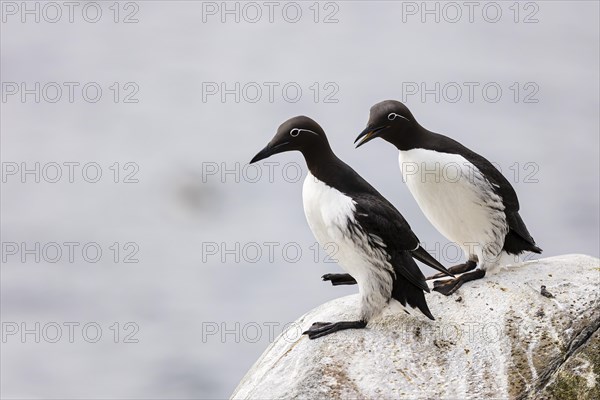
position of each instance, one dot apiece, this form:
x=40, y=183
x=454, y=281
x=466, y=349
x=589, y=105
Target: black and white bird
x=461, y=193
x=374, y=243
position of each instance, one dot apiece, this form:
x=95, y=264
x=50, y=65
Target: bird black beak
x=369, y=134
x=268, y=151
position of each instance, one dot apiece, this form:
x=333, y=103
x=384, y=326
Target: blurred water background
x=200, y=313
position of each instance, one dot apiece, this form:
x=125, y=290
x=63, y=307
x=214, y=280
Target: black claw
x=315, y=326
x=319, y=327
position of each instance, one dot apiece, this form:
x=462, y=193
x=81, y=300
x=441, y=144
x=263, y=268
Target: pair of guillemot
x=477, y=209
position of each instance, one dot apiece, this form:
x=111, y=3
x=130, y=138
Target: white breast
x=457, y=199
x=328, y=212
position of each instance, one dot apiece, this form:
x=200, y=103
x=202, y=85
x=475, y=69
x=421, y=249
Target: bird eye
x=392, y=116
x=296, y=131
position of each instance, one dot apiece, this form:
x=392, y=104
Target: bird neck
x=410, y=138
x=320, y=159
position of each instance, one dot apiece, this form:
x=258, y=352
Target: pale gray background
x=171, y=132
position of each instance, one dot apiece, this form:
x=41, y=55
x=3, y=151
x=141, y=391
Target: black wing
x=504, y=189
x=519, y=234
x=381, y=220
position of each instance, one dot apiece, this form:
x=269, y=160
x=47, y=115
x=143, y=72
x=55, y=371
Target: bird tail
x=422, y=255
x=516, y=244
x=536, y=249
x=518, y=239
x=407, y=292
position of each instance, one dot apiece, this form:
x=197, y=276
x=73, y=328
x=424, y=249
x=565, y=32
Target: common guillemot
x=461, y=193
x=375, y=244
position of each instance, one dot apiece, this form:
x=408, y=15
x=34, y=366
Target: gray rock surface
x=495, y=338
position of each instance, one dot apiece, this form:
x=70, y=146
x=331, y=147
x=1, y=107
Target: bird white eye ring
x=296, y=131
x=393, y=116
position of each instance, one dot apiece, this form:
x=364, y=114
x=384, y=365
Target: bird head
x=299, y=133
x=389, y=120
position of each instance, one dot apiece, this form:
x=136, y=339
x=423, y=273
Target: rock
x=503, y=340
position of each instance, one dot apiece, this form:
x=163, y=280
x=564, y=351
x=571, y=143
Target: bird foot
x=339, y=279
x=320, y=329
x=457, y=269
x=449, y=286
